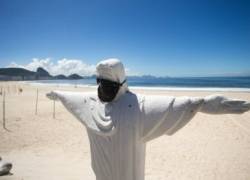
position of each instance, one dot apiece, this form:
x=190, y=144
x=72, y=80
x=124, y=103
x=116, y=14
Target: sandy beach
x=45, y=148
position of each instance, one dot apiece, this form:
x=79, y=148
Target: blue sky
x=171, y=37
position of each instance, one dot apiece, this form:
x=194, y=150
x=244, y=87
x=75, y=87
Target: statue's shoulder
x=91, y=95
x=132, y=97
x=147, y=98
x=154, y=97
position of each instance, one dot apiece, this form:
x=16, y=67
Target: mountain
x=75, y=76
x=60, y=76
x=40, y=72
x=16, y=72
x=19, y=74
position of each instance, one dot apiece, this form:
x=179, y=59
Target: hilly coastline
x=20, y=74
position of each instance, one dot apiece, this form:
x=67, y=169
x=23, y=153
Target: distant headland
x=20, y=74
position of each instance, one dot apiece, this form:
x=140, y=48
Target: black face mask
x=107, y=89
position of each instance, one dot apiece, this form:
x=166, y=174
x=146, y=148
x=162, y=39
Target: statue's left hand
x=52, y=96
x=217, y=104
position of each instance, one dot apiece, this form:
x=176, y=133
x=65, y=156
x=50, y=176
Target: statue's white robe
x=118, y=131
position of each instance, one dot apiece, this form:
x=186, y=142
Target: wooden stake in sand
x=4, y=123
x=14, y=89
x=4, y=118
x=36, y=100
x=54, y=109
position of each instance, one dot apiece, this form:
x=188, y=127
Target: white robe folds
x=118, y=131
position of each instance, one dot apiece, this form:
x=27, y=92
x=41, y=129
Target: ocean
x=169, y=83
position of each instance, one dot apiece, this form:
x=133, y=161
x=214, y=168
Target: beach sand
x=43, y=148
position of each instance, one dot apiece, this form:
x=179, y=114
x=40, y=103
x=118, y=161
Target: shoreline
x=157, y=88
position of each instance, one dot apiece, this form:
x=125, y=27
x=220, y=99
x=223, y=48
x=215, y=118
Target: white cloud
x=62, y=66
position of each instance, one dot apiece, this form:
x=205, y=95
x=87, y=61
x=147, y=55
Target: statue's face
x=107, y=90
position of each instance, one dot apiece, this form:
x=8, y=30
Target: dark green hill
x=60, y=76
x=16, y=72
x=42, y=72
x=75, y=76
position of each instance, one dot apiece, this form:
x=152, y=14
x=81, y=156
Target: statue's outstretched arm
x=168, y=115
x=218, y=104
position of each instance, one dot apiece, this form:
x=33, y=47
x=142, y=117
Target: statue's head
x=111, y=80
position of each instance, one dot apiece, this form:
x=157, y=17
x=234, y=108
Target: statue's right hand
x=52, y=96
x=218, y=104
